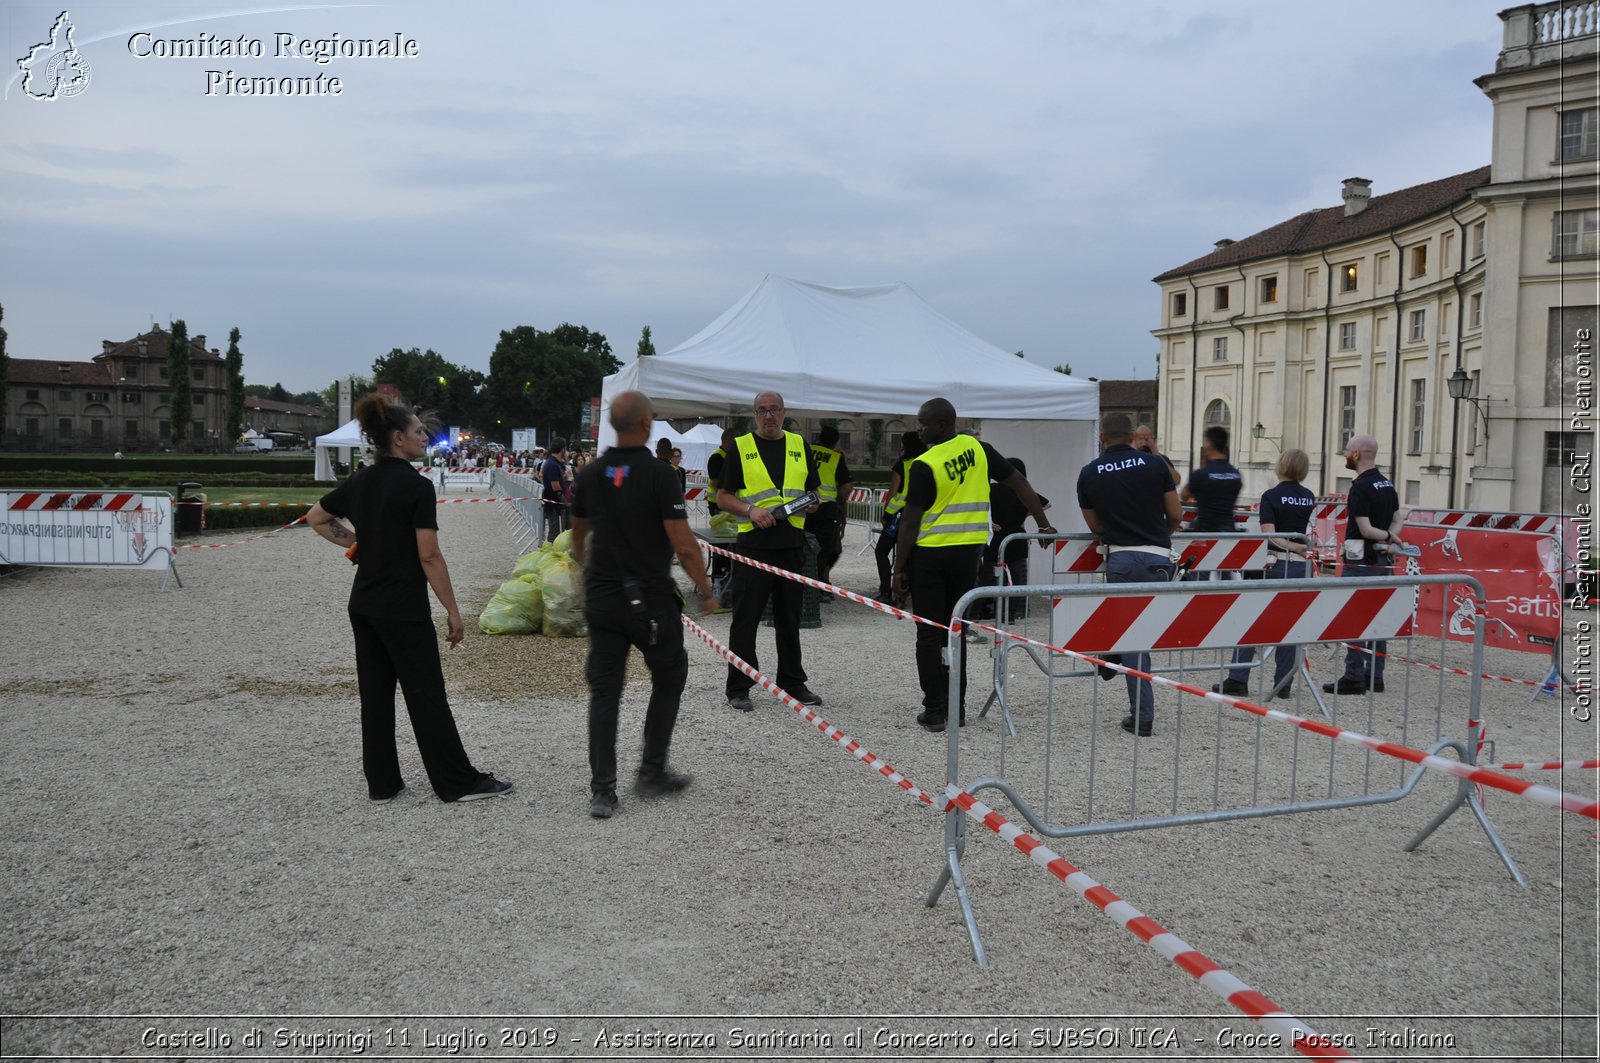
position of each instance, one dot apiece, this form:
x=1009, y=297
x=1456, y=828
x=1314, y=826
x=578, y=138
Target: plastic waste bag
x=517, y=608
x=563, y=605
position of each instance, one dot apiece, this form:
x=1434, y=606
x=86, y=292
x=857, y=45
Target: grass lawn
x=306, y=495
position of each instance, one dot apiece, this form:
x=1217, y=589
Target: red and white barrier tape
x=1543, y=795
x=808, y=714
x=439, y=501
x=1210, y=975
x=238, y=542
x=1551, y=765
x=1448, y=670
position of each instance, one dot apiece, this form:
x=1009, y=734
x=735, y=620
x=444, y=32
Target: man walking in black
x=635, y=508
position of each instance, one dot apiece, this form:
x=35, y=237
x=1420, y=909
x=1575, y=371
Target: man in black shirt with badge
x=635, y=507
x=766, y=469
x=1214, y=487
x=1128, y=499
x=1371, y=531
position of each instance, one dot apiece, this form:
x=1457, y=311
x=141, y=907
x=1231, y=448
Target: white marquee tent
x=346, y=435
x=867, y=352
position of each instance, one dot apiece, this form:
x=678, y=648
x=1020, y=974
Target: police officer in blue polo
x=1128, y=500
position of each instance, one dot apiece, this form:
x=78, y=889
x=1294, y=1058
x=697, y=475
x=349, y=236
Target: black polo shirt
x=626, y=495
x=782, y=535
x=387, y=502
x=1372, y=496
x=1126, y=490
x=1287, y=507
x=1215, y=487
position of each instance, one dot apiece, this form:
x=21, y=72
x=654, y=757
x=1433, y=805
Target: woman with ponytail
x=398, y=559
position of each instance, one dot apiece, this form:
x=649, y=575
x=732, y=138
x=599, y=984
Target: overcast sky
x=1027, y=167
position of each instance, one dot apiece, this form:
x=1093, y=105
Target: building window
x=163, y=429
x=200, y=376
x=163, y=399
x=1419, y=325
x=1347, y=415
x=1349, y=276
x=130, y=429
x=1480, y=239
x=1347, y=336
x=1419, y=260
x=1475, y=311
x=1560, y=450
x=97, y=430
x=1577, y=233
x=99, y=396
x=1419, y=400
x=1380, y=270
x=1217, y=414
x=130, y=398
x=163, y=372
x=64, y=396
x=1222, y=297
x=1578, y=135
x=32, y=394
x=30, y=426
x=1413, y=492
x=1219, y=349
x=1269, y=289
x=1311, y=285
x=64, y=427
x=1180, y=304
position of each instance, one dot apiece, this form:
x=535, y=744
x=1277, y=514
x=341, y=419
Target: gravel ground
x=188, y=835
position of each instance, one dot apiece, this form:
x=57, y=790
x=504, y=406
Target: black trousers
x=657, y=633
x=939, y=576
x=751, y=589
x=884, y=552
x=555, y=520
x=390, y=651
x=827, y=524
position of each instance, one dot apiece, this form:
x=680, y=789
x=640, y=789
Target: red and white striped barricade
x=89, y=529
x=1079, y=554
x=869, y=503
x=464, y=476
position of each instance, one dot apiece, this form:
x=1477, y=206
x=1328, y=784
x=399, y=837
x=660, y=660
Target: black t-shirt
x=1126, y=490
x=921, y=491
x=1372, y=496
x=713, y=475
x=1215, y=487
x=1288, y=508
x=387, y=502
x=625, y=495
x=781, y=535
x=1008, y=515
x=552, y=475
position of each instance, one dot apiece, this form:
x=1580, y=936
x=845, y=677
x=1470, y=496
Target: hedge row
x=175, y=467
x=147, y=480
x=227, y=518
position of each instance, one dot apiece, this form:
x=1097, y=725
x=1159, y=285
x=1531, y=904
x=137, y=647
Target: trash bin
x=189, y=510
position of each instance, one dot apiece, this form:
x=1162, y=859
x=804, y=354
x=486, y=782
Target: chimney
x=200, y=340
x=1357, y=193
x=66, y=372
x=1226, y=241
x=106, y=345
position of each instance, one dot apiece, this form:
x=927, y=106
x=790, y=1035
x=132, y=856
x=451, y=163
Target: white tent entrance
x=346, y=435
x=869, y=352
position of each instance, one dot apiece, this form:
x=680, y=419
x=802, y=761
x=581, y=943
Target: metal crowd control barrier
x=524, y=512
x=874, y=499
x=1079, y=554
x=1212, y=769
x=89, y=529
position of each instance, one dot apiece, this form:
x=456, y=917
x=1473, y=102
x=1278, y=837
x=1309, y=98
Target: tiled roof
x=156, y=341
x=1328, y=227
x=1123, y=394
x=47, y=373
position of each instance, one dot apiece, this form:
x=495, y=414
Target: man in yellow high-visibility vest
x=833, y=484
x=765, y=469
x=944, y=528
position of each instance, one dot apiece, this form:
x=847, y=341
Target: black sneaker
x=1109, y=673
x=1347, y=686
x=488, y=786
x=1236, y=687
x=660, y=783
x=383, y=799
x=1286, y=693
x=1143, y=731
x=933, y=724
x=603, y=805
x=804, y=696
x=741, y=701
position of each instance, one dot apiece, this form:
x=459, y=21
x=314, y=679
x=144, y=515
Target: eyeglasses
x=768, y=411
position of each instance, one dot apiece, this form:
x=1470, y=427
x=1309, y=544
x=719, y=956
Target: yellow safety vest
x=711, y=483
x=959, y=515
x=827, y=472
x=897, y=501
x=759, y=490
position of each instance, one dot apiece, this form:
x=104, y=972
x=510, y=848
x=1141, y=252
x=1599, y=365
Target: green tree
x=428, y=381
x=542, y=379
x=307, y=398
x=4, y=362
x=178, y=377
x=646, y=348
x=1020, y=354
x=1066, y=369
x=874, y=439
x=233, y=424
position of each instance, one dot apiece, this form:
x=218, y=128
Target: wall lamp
x=1259, y=431
x=1461, y=386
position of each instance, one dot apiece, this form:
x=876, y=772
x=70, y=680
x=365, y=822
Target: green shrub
x=228, y=518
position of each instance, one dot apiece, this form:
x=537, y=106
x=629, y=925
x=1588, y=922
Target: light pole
x=1259, y=431
x=1461, y=386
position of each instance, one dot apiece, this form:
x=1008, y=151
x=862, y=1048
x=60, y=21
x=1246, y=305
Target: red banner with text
x=1521, y=577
